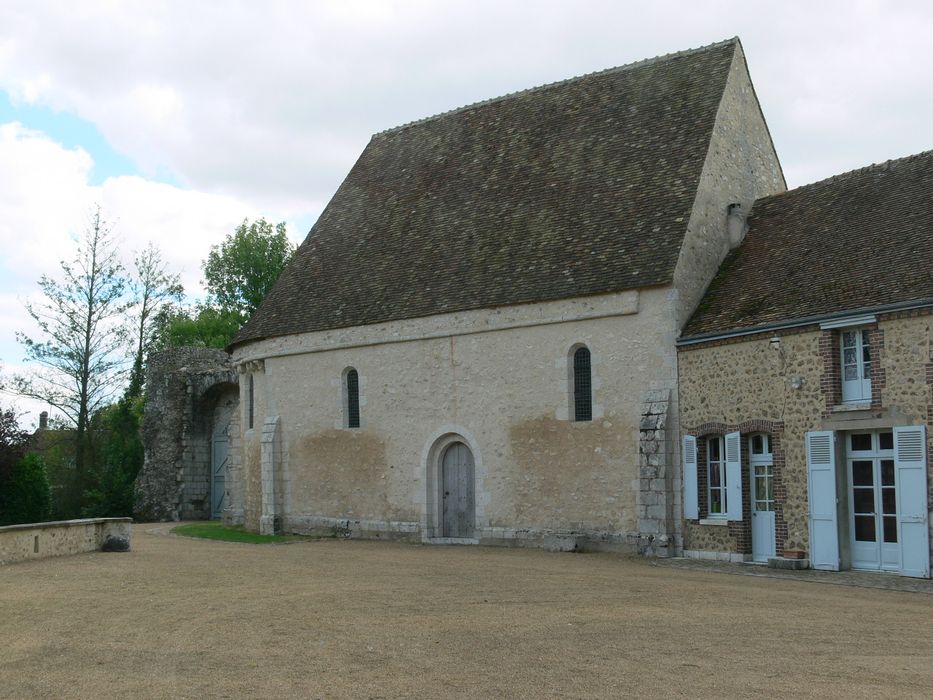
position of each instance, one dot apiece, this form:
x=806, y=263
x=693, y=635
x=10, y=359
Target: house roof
x=576, y=188
x=855, y=242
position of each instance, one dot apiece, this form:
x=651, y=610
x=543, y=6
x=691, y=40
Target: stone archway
x=192, y=394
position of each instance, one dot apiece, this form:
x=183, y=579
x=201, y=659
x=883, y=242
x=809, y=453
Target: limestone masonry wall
x=741, y=166
x=500, y=380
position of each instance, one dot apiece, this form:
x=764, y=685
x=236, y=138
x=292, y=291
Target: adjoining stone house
x=476, y=341
x=806, y=379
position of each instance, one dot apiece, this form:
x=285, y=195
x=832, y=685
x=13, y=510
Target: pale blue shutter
x=913, y=533
x=821, y=490
x=691, y=502
x=733, y=476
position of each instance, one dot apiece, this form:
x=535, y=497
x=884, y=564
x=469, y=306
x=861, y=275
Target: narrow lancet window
x=251, y=404
x=582, y=386
x=353, y=399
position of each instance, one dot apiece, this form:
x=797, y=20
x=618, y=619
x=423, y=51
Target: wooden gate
x=219, y=453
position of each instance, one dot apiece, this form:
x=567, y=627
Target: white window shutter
x=913, y=533
x=734, y=476
x=691, y=501
x=821, y=491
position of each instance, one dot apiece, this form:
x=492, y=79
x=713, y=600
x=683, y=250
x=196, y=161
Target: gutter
x=797, y=323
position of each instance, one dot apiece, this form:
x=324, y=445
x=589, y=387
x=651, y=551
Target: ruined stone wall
x=181, y=394
x=737, y=383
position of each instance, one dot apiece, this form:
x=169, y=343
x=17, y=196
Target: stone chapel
x=476, y=341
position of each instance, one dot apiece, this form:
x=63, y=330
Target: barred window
x=353, y=399
x=582, y=385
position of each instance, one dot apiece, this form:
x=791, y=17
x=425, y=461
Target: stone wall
x=788, y=388
x=499, y=380
x=63, y=537
x=184, y=386
x=741, y=166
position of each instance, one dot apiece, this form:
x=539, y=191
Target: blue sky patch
x=71, y=131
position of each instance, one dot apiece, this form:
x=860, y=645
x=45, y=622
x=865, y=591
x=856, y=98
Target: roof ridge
x=557, y=83
x=873, y=167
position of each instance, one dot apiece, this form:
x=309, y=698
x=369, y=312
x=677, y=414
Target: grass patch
x=231, y=533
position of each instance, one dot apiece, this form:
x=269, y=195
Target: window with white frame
x=715, y=473
x=716, y=477
x=855, y=364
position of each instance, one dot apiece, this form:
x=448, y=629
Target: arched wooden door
x=458, y=510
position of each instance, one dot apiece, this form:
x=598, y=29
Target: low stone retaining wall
x=55, y=539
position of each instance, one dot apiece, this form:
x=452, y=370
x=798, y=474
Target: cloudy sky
x=181, y=118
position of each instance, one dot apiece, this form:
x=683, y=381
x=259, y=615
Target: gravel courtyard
x=183, y=618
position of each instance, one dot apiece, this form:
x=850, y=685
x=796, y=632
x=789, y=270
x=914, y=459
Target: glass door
x=761, y=466
x=873, y=501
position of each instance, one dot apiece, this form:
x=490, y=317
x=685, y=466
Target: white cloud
x=275, y=101
x=45, y=202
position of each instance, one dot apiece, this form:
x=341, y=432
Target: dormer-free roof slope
x=855, y=242
x=576, y=188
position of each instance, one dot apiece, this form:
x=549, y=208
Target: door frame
x=766, y=459
x=448, y=497
x=431, y=471
x=875, y=455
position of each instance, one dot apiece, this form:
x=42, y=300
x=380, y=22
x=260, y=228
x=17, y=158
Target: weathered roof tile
x=577, y=188
x=856, y=241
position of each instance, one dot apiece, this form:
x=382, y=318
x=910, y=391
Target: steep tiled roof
x=576, y=188
x=854, y=242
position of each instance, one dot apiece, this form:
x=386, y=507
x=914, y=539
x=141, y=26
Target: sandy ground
x=186, y=618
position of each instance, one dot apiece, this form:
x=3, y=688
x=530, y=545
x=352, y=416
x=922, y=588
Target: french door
x=873, y=501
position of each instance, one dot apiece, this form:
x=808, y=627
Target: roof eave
x=713, y=336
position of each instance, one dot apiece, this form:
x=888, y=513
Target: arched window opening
x=582, y=385
x=353, y=399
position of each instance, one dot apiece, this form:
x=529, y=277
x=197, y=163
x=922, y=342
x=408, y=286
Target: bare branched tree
x=80, y=353
x=153, y=291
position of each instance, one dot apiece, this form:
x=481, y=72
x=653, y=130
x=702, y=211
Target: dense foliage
x=204, y=327
x=25, y=496
x=240, y=271
x=24, y=485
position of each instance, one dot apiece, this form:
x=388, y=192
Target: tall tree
x=79, y=354
x=153, y=290
x=241, y=270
